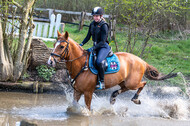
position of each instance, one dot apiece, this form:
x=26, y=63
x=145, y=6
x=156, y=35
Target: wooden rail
x=46, y=23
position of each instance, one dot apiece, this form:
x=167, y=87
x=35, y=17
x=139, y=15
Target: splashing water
x=172, y=106
x=185, y=84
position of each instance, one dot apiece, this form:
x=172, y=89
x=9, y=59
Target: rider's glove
x=90, y=49
x=81, y=44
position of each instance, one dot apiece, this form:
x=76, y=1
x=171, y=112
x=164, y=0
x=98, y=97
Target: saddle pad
x=113, y=64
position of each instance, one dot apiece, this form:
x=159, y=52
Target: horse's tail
x=152, y=74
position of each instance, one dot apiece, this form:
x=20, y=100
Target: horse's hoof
x=136, y=101
x=112, y=101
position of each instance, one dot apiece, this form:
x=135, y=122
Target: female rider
x=99, y=31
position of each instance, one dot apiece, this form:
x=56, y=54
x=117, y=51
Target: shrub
x=45, y=72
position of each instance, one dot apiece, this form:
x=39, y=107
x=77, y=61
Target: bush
x=45, y=72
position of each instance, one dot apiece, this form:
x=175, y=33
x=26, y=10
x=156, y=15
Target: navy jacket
x=99, y=33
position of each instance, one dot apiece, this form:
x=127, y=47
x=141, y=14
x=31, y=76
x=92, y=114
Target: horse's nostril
x=51, y=62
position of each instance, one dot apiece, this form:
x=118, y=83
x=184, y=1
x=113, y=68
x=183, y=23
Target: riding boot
x=100, y=81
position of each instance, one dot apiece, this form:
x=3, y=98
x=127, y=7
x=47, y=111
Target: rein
x=65, y=52
x=83, y=69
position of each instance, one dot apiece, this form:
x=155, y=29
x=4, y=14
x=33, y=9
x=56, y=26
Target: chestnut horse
x=129, y=77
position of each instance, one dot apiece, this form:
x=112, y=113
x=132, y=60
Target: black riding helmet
x=97, y=11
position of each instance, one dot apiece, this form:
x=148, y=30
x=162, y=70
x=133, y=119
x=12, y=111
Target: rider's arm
x=104, y=35
x=87, y=36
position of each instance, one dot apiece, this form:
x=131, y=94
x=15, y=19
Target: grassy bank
x=165, y=54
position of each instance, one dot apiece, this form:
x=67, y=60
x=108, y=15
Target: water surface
x=55, y=109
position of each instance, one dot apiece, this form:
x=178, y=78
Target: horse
x=129, y=77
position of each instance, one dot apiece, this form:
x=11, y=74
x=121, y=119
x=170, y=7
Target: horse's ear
x=66, y=35
x=58, y=33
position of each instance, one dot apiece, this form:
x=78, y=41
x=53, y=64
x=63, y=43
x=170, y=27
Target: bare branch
x=16, y=4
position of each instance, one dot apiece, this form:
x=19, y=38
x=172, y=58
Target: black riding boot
x=100, y=81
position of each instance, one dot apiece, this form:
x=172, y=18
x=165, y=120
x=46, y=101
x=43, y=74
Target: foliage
x=45, y=72
x=71, y=5
x=26, y=75
x=147, y=16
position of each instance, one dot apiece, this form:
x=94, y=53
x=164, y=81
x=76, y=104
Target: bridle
x=65, y=54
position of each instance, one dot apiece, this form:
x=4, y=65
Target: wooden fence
x=47, y=28
x=111, y=20
x=44, y=29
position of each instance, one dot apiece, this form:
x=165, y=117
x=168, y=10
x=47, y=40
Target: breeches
x=102, y=54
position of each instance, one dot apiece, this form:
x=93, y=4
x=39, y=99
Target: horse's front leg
x=77, y=95
x=88, y=99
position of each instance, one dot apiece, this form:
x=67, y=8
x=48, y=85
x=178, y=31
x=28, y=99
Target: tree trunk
x=6, y=67
x=18, y=63
x=13, y=64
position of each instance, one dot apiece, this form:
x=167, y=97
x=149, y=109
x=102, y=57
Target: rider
x=99, y=31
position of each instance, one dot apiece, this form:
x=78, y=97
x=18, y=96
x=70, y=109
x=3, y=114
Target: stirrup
x=100, y=85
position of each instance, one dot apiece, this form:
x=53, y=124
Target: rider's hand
x=81, y=44
x=90, y=49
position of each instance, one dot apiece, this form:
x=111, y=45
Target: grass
x=168, y=55
x=165, y=53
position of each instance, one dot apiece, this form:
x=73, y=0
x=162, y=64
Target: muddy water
x=158, y=108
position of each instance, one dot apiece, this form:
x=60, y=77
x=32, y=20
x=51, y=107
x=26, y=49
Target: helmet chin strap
x=101, y=18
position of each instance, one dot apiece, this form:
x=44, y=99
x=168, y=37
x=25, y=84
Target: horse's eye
x=62, y=47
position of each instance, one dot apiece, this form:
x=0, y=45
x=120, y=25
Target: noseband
x=65, y=52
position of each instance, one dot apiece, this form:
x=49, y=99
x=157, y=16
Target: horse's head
x=61, y=49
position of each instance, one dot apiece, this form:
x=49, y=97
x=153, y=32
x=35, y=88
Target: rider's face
x=96, y=18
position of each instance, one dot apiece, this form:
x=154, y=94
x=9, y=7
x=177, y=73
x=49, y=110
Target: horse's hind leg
x=135, y=98
x=117, y=92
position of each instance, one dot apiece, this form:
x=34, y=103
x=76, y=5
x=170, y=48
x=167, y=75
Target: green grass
x=165, y=53
x=169, y=55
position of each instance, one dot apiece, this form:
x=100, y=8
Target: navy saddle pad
x=113, y=64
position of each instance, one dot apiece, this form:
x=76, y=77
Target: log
x=40, y=54
x=34, y=86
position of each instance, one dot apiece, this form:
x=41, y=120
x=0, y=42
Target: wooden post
x=35, y=87
x=52, y=23
x=39, y=30
x=62, y=27
x=50, y=13
x=57, y=24
x=82, y=20
x=41, y=87
x=45, y=31
x=112, y=23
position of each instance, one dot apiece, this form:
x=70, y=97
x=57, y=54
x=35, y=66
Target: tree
x=143, y=18
x=13, y=55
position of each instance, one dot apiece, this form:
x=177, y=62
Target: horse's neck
x=74, y=50
x=76, y=59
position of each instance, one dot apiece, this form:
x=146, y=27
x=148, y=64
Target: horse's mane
x=70, y=39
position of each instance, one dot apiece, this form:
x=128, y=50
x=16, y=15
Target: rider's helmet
x=97, y=11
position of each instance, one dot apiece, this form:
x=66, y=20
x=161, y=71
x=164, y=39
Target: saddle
x=111, y=63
